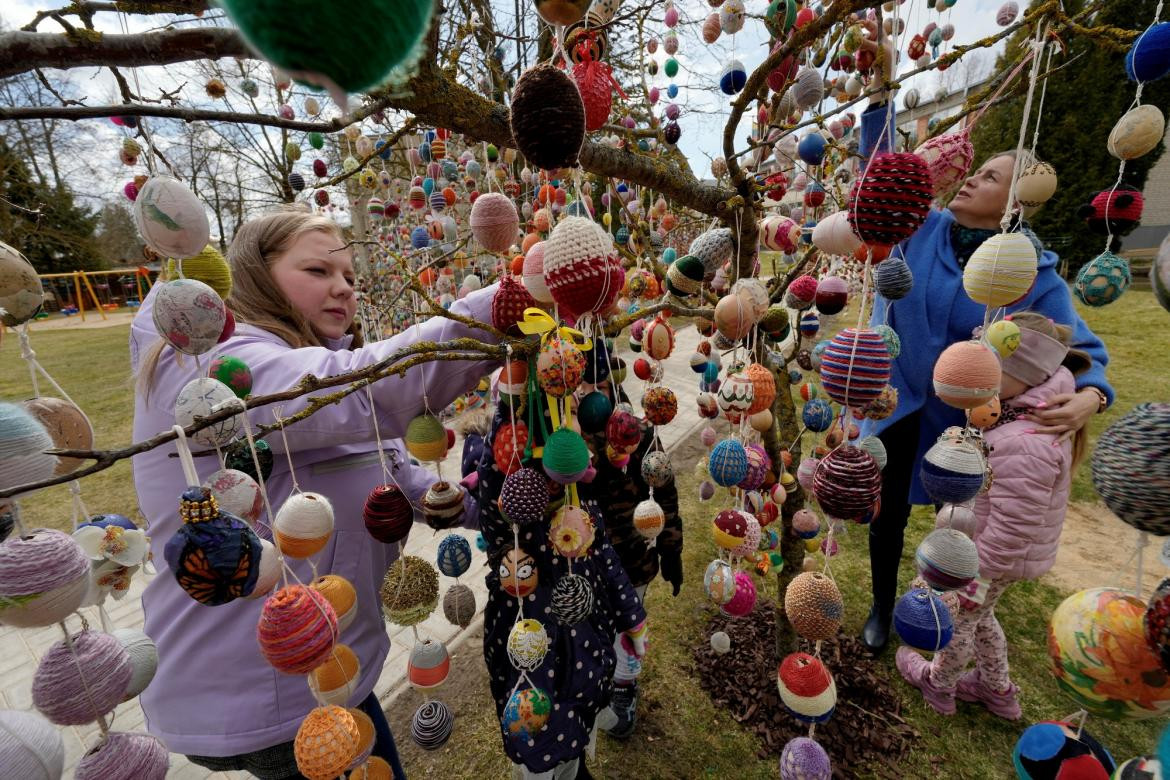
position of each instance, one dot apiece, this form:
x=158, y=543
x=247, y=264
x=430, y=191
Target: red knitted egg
x=509, y=303
x=847, y=482
x=583, y=273
x=596, y=85
x=508, y=446
x=388, y=514
x=855, y=367
x=891, y=199
x=801, y=292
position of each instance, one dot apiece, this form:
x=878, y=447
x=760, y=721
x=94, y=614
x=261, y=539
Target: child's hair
x=255, y=298
x=1075, y=361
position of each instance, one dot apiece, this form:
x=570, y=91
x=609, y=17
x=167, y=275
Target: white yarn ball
x=199, y=398
x=269, y=573
x=31, y=748
x=143, y=659
x=305, y=516
x=720, y=642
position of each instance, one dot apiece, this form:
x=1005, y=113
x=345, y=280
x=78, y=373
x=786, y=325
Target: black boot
x=876, y=633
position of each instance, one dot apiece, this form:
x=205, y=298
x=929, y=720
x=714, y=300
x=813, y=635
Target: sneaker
x=624, y=705
x=1005, y=704
x=916, y=670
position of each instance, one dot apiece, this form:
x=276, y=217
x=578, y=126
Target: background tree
x=117, y=238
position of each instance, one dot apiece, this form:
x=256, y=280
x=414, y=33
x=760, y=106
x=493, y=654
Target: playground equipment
x=71, y=290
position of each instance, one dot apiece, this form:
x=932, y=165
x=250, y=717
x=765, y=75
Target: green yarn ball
x=566, y=458
x=355, y=45
x=493, y=153
x=209, y=267
x=1103, y=279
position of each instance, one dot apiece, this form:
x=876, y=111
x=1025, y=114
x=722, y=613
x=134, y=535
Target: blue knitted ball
x=811, y=148
x=420, y=238
x=729, y=463
x=818, y=415
x=454, y=555
x=952, y=473
x=923, y=620
x=1149, y=57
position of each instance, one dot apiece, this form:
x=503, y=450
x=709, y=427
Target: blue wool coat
x=937, y=313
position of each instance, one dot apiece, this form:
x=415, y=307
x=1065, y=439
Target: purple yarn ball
x=804, y=759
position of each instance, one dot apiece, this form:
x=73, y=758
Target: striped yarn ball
x=1103, y=279
x=1001, y=270
x=806, y=688
x=855, y=367
x=43, y=578
x=429, y=664
x=728, y=463
x=801, y=293
x=649, y=518
x=875, y=448
x=891, y=199
x=388, y=514
x=494, y=221
x=804, y=759
x=442, y=505
x=79, y=685
x=952, y=472
x=426, y=439
x=333, y=682
x=454, y=555
x=297, y=629
x=923, y=621
x=814, y=606
x=947, y=559
x=30, y=747
x=143, y=659
x=967, y=374
x=548, y=117
x=459, y=605
x=1131, y=467
x=341, y=595
x=326, y=741
x=410, y=591
x=122, y=756
x=684, y=277
x=23, y=441
x=582, y=272
x=432, y=724
x=303, y=525
x=893, y=279
x=744, y=599
x=847, y=482
x=572, y=599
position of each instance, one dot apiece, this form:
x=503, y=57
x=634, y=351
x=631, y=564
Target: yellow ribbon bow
x=538, y=321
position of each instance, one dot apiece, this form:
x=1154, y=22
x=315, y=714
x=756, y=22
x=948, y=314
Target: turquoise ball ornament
x=669, y=255
x=728, y=463
x=594, y=411
x=321, y=45
x=1103, y=279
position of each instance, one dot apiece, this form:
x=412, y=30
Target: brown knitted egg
x=548, y=117
x=814, y=606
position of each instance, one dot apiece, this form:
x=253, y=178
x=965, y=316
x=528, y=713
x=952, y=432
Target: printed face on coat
x=518, y=575
x=317, y=277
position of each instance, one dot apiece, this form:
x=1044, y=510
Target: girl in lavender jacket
x=214, y=697
x=1019, y=521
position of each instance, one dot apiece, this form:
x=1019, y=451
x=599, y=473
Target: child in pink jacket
x=1019, y=522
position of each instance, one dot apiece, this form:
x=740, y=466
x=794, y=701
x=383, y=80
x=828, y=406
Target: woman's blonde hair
x=1076, y=361
x=255, y=298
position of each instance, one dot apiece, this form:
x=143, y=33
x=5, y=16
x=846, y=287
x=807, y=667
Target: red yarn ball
x=297, y=629
x=891, y=199
x=509, y=303
x=388, y=514
x=847, y=482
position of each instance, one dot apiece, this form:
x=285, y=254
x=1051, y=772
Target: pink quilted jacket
x=1021, y=516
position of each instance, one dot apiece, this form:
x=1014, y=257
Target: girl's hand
x=634, y=640
x=885, y=64
x=1065, y=414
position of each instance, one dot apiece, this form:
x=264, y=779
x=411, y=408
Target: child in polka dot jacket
x=577, y=671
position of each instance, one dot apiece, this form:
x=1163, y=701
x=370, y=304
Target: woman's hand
x=885, y=64
x=1065, y=413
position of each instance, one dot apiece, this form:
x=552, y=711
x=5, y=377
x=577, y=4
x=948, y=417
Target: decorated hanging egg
x=170, y=219
x=1103, y=279
x=735, y=396
x=733, y=77
x=189, y=315
x=1037, y=183
x=571, y=531
x=526, y=713
x=658, y=339
x=200, y=398
x=1004, y=337
x=966, y=375
x=855, y=367
x=744, y=600
x=580, y=268
x=443, y=505
x=1137, y=132
x=806, y=688
x=517, y=573
x=237, y=493
x=214, y=555
x=892, y=200
x=454, y=555
x=303, y=525
x=566, y=457
x=649, y=518
x=20, y=287
x=1001, y=270
x=659, y=404
x=656, y=469
x=426, y=439
x=731, y=16
x=44, y=577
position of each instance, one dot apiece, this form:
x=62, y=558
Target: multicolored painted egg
x=526, y=713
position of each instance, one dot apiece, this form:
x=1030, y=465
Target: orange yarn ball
x=340, y=593
x=967, y=375
x=338, y=669
x=325, y=743
x=366, y=738
x=427, y=277
x=374, y=769
x=530, y=240
x=765, y=385
x=517, y=265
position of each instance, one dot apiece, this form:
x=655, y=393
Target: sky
x=704, y=108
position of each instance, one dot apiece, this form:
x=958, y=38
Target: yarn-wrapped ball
x=801, y=292
x=21, y=295
x=847, y=482
x=571, y=531
x=533, y=274
x=79, y=684
x=1148, y=59
x=805, y=524
x=30, y=747
x=891, y=339
x=744, y=600
x=572, y=599
x=325, y=743
x=855, y=367
x=143, y=659
x=757, y=471
x=832, y=235
x=1001, y=270
x=333, y=682
x=268, y=570
x=209, y=267
x=388, y=514
x=443, y=505
x=814, y=606
x=494, y=221
x=649, y=518
x=189, y=315
x=1101, y=659
x=656, y=469
x=170, y=218
x=891, y=199
x=684, y=277
x=728, y=463
x=1131, y=467
x=297, y=629
x=923, y=621
x=410, y=591
x=892, y=278
x=832, y=295
x=547, y=117
x=524, y=496
x=948, y=157
x=303, y=525
x=426, y=439
x=947, y=559
x=659, y=404
x=459, y=605
x=763, y=386
x=432, y=724
x=713, y=248
x=361, y=757
x=123, y=756
x=44, y=577
x=454, y=555
x=429, y=664
x=560, y=366
x=1156, y=623
x=804, y=759
x=806, y=688
x=1103, y=279
x=967, y=374
x=952, y=472
x=566, y=456
x=581, y=269
x=340, y=594
x=526, y=713
x=509, y=303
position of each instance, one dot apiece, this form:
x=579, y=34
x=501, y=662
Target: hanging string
x=277, y=414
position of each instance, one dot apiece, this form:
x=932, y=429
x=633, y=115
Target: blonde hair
x=255, y=298
x=1076, y=361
